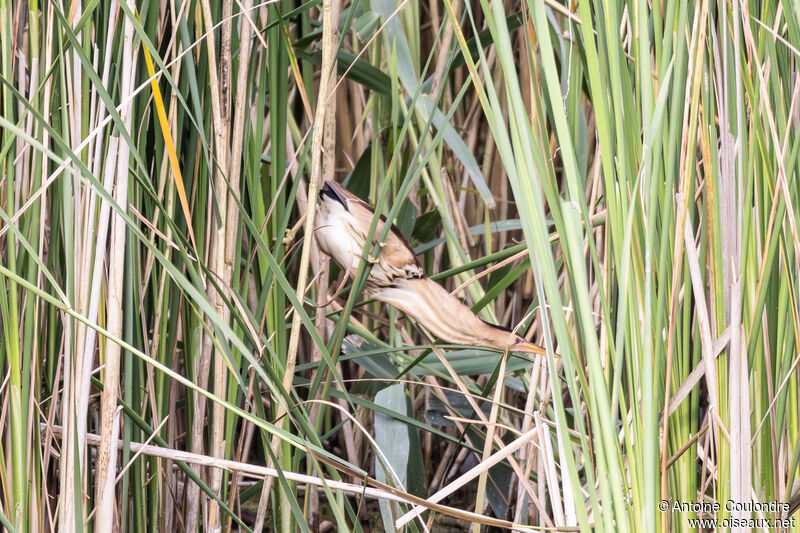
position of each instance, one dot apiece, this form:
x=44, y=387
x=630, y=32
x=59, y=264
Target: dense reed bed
x=617, y=181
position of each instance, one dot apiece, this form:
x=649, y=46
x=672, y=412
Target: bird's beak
x=527, y=347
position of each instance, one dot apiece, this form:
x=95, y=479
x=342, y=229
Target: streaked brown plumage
x=342, y=227
x=397, y=278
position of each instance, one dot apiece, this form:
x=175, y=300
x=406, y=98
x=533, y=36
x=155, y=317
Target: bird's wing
x=397, y=258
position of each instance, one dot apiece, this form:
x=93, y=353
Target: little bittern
x=397, y=278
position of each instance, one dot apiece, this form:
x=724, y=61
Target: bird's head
x=524, y=346
x=504, y=339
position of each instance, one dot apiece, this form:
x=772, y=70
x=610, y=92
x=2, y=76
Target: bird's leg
x=340, y=288
x=290, y=233
x=376, y=260
x=362, y=238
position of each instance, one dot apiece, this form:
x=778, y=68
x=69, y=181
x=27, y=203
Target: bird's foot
x=291, y=232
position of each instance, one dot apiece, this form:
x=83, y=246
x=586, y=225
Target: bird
x=397, y=278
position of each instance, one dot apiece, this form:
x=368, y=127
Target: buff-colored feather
x=343, y=223
x=447, y=317
x=397, y=278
